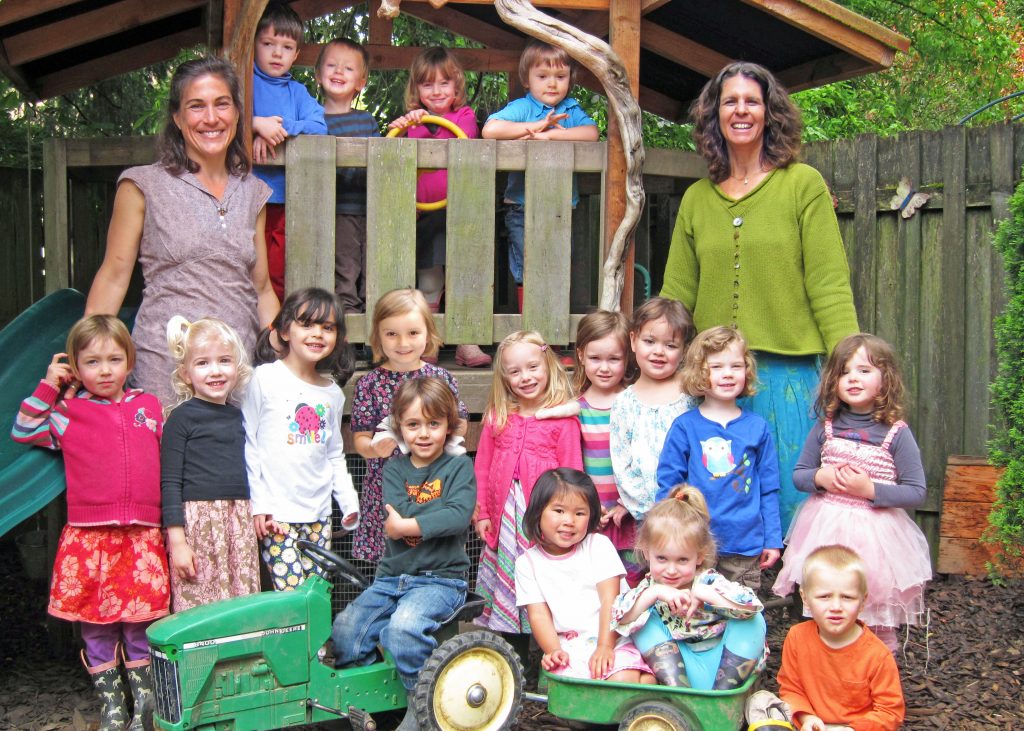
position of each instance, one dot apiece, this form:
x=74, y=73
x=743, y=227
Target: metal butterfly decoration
x=907, y=200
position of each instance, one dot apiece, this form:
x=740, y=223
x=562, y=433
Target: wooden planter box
x=966, y=502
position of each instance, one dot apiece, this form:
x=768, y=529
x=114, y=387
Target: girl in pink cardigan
x=515, y=448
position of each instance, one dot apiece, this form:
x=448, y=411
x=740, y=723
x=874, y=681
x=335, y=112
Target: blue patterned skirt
x=786, y=389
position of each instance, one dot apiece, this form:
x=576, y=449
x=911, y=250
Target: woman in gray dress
x=194, y=222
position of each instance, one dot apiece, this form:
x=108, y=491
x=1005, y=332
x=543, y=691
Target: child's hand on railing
x=551, y=121
x=408, y=119
x=271, y=129
x=262, y=151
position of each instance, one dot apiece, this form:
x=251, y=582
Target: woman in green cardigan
x=756, y=245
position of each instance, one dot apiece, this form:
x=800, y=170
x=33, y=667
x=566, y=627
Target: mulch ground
x=961, y=671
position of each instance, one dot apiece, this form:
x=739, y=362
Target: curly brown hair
x=782, y=125
x=889, y=402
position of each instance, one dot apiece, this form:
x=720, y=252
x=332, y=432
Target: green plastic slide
x=31, y=477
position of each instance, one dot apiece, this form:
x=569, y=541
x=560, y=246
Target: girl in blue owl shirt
x=728, y=453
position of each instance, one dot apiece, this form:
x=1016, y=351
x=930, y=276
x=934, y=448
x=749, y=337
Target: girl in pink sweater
x=515, y=448
x=110, y=574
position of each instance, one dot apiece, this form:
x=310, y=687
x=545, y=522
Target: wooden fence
x=931, y=284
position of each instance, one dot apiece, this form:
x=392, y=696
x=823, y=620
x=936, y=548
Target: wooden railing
x=474, y=167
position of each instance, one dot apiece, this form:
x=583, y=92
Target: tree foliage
x=964, y=54
x=1007, y=448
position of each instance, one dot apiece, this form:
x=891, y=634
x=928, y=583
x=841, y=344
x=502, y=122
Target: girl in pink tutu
x=863, y=467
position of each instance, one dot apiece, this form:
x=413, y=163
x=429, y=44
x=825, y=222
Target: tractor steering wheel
x=331, y=563
x=448, y=125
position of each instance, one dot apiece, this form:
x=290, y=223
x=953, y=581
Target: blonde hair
x=888, y=406
x=695, y=374
x=401, y=302
x=837, y=558
x=598, y=325
x=681, y=517
x=427, y=66
x=104, y=327
x=537, y=53
x=184, y=336
x=501, y=402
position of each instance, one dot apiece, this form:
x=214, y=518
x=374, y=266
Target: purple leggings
x=101, y=641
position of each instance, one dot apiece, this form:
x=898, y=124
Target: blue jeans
x=515, y=225
x=402, y=612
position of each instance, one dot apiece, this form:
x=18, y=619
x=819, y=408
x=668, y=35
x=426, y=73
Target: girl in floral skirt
x=110, y=574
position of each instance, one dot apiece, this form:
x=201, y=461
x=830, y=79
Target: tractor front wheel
x=474, y=681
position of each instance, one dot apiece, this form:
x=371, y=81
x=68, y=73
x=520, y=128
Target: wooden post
x=624, y=38
x=380, y=28
x=56, y=238
x=240, y=20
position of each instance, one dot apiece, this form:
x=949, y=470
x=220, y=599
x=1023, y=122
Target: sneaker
x=471, y=356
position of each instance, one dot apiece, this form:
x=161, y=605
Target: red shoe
x=471, y=356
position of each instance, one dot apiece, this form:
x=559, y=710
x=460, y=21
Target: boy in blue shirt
x=545, y=113
x=282, y=108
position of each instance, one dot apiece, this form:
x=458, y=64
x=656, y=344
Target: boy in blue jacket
x=282, y=107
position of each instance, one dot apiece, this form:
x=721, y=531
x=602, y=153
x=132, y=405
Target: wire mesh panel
x=345, y=592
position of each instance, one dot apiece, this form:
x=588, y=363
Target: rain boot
x=666, y=662
x=141, y=684
x=106, y=679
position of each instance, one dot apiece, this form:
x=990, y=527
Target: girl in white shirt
x=568, y=580
x=293, y=447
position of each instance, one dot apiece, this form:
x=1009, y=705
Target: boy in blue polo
x=545, y=113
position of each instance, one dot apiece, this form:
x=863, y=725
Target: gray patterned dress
x=197, y=255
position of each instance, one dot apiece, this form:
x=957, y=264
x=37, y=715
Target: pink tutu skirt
x=581, y=647
x=894, y=551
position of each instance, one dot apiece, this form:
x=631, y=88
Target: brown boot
x=106, y=679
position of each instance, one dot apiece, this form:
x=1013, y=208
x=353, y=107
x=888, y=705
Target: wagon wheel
x=654, y=716
x=474, y=681
x=448, y=125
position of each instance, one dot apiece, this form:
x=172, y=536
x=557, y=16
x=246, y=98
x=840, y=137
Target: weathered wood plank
x=309, y=223
x=844, y=175
x=971, y=482
x=954, y=246
x=55, y=215
x=907, y=161
x=934, y=408
x=863, y=259
x=547, y=245
x=469, y=275
x=978, y=351
x=963, y=556
x=963, y=519
x=390, y=224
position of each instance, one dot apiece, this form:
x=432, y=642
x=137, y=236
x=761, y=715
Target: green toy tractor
x=255, y=662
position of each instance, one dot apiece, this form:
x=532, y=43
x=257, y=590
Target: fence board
x=546, y=266
x=469, y=301
x=390, y=235
x=55, y=222
x=309, y=256
x=910, y=254
x=863, y=261
x=888, y=264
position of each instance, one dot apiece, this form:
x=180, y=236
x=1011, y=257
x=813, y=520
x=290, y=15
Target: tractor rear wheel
x=472, y=682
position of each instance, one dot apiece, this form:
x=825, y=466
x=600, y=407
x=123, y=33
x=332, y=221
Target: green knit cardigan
x=772, y=263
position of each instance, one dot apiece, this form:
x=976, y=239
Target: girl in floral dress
x=402, y=333
x=110, y=574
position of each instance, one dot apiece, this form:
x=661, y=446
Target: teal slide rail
x=30, y=477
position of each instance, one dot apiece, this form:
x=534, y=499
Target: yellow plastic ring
x=441, y=122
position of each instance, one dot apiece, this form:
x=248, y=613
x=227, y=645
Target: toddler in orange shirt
x=835, y=674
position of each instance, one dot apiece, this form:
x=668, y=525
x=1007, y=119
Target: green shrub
x=1006, y=521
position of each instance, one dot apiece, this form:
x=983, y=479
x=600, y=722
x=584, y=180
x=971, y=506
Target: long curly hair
x=171, y=145
x=889, y=403
x=183, y=337
x=782, y=124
